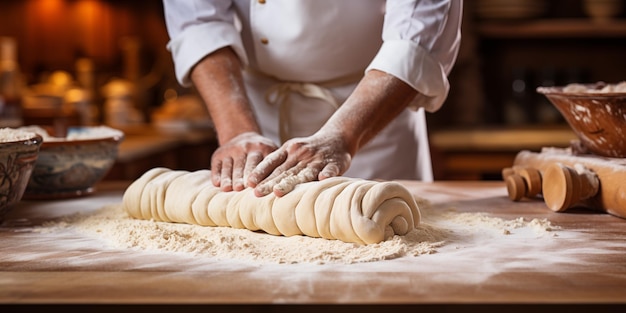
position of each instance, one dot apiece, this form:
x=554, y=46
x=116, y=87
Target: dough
x=346, y=209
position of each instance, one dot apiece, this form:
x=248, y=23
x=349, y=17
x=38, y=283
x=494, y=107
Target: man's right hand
x=233, y=161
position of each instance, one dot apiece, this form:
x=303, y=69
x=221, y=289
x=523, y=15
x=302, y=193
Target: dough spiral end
x=338, y=208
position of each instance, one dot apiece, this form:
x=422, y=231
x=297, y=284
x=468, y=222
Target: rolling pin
x=522, y=182
x=568, y=180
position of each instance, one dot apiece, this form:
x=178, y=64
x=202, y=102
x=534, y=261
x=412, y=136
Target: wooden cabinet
x=569, y=50
x=562, y=42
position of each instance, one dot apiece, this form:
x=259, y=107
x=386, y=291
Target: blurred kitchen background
x=104, y=61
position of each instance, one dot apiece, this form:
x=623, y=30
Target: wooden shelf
x=502, y=138
x=553, y=28
x=478, y=154
x=146, y=147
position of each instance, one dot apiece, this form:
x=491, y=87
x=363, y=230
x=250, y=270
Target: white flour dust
x=11, y=135
x=75, y=133
x=438, y=228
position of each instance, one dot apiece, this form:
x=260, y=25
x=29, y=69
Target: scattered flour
x=438, y=228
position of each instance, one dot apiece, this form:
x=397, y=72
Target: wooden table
x=588, y=267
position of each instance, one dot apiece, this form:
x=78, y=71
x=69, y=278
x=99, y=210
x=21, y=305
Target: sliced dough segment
x=341, y=208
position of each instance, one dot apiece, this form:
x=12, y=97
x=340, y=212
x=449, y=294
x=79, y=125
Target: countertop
x=482, y=153
x=148, y=146
x=146, y=140
x=582, y=262
x=502, y=139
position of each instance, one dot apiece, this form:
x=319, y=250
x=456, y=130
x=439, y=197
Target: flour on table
x=439, y=228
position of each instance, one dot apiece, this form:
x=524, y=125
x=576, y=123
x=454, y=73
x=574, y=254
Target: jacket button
x=264, y=41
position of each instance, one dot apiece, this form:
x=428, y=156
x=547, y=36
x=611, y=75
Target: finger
x=226, y=182
x=253, y=159
x=289, y=183
x=330, y=170
x=267, y=186
x=286, y=181
x=216, y=172
x=266, y=167
x=238, y=169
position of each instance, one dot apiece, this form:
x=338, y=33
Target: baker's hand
x=298, y=161
x=233, y=161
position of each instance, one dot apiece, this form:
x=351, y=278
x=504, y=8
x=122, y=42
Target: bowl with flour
x=18, y=152
x=70, y=166
x=596, y=113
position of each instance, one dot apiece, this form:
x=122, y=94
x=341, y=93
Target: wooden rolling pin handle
x=522, y=182
x=564, y=187
x=506, y=172
x=532, y=177
x=516, y=187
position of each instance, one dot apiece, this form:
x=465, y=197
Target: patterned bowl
x=18, y=153
x=596, y=113
x=70, y=166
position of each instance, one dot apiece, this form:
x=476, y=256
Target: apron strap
x=279, y=94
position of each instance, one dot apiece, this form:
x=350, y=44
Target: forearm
x=376, y=101
x=219, y=82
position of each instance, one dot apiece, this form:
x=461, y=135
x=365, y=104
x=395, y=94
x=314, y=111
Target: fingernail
x=262, y=190
x=280, y=188
x=253, y=179
x=238, y=185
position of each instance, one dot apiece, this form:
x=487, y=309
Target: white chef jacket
x=305, y=57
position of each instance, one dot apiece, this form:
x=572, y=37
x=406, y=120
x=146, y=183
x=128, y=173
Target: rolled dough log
x=347, y=209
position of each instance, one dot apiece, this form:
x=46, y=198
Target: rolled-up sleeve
x=198, y=28
x=420, y=44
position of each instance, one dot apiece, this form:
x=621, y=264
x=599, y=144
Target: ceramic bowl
x=597, y=116
x=18, y=153
x=70, y=166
